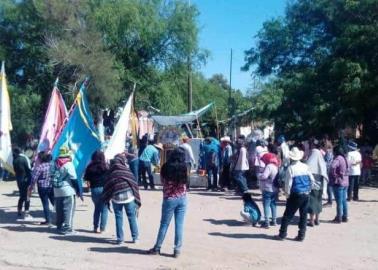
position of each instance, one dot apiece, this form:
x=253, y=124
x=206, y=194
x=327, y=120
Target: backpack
x=251, y=212
x=276, y=181
x=211, y=159
x=57, y=177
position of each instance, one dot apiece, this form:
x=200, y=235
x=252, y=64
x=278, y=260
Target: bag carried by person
x=57, y=176
x=251, y=212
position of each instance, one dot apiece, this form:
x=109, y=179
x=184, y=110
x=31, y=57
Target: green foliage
x=25, y=106
x=324, y=57
x=116, y=44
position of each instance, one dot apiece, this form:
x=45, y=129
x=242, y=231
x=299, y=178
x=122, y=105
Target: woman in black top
x=95, y=174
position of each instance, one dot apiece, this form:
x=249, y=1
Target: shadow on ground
x=228, y=222
x=243, y=235
x=81, y=239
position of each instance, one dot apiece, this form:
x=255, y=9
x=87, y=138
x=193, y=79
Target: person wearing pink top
x=174, y=177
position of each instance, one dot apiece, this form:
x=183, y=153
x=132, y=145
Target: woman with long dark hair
x=95, y=174
x=174, y=176
x=340, y=182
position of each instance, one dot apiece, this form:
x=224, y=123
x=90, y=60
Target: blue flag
x=79, y=134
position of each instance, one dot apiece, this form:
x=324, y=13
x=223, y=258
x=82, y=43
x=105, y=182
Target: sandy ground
x=214, y=238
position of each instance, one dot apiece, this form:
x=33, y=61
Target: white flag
x=6, y=156
x=117, y=143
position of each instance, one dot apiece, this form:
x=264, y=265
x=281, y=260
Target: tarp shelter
x=181, y=119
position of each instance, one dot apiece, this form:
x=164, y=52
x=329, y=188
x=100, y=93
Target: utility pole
x=229, y=92
x=190, y=89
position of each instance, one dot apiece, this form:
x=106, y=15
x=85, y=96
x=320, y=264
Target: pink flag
x=54, y=119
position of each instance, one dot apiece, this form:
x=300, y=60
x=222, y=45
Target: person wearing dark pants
x=150, y=155
x=298, y=184
x=23, y=199
x=145, y=167
x=354, y=161
x=22, y=169
x=354, y=185
x=295, y=201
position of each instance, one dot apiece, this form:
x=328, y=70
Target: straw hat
x=159, y=145
x=296, y=154
x=226, y=139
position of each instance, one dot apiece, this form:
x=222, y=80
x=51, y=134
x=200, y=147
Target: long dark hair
x=175, y=169
x=98, y=164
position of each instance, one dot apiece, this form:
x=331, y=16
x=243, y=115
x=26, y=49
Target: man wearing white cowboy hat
x=150, y=155
x=354, y=160
x=298, y=184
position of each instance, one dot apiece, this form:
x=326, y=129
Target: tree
x=324, y=55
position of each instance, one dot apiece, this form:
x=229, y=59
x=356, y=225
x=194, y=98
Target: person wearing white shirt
x=240, y=165
x=354, y=159
x=189, y=157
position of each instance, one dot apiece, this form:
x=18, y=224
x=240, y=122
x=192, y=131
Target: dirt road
x=214, y=238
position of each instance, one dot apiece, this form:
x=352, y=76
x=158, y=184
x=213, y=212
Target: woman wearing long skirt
x=318, y=168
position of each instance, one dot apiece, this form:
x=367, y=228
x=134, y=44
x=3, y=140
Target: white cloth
x=354, y=161
x=316, y=164
x=189, y=157
x=285, y=154
x=242, y=162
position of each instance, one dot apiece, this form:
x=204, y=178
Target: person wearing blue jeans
x=172, y=207
x=46, y=195
x=340, y=193
x=174, y=175
x=100, y=215
x=95, y=174
x=134, y=167
x=131, y=212
x=270, y=206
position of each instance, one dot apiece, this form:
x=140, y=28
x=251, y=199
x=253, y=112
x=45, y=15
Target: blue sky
x=226, y=24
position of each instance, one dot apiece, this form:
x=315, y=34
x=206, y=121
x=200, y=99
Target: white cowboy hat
x=296, y=154
x=226, y=139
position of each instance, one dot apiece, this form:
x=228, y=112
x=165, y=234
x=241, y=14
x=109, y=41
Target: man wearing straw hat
x=298, y=185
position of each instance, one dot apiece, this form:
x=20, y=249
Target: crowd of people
x=304, y=172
